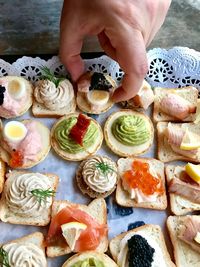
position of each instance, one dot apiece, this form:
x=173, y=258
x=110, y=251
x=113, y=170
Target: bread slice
x=189, y=93
x=123, y=197
x=2, y=174
x=35, y=238
x=6, y=215
x=29, y=99
x=45, y=141
x=107, y=261
x=81, y=155
x=179, y=205
x=97, y=209
x=152, y=232
x=119, y=148
x=165, y=152
x=184, y=255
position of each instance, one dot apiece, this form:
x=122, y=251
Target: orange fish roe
x=16, y=159
x=140, y=177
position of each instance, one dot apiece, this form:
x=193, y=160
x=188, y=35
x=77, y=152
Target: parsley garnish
x=48, y=75
x=42, y=195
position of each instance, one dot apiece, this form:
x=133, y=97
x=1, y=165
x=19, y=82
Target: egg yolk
x=15, y=131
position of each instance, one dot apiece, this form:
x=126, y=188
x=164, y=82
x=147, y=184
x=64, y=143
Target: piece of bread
x=165, y=152
x=6, y=215
x=81, y=155
x=179, y=205
x=189, y=93
x=121, y=149
x=2, y=174
x=29, y=100
x=97, y=209
x=45, y=141
x=184, y=255
x=123, y=197
x=35, y=238
x=107, y=261
x=152, y=232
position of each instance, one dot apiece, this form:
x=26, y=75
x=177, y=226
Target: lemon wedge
x=197, y=237
x=190, y=141
x=71, y=232
x=193, y=171
x=197, y=114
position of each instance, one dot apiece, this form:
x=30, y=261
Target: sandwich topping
x=52, y=97
x=23, y=255
x=130, y=130
x=100, y=174
x=90, y=262
x=20, y=194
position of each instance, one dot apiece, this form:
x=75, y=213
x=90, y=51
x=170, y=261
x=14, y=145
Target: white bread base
x=97, y=209
x=8, y=216
x=153, y=231
x=107, y=261
x=119, y=148
x=165, y=152
x=184, y=255
x=176, y=204
x=123, y=197
x=2, y=174
x=189, y=93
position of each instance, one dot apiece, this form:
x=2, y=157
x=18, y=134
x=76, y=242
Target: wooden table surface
x=32, y=27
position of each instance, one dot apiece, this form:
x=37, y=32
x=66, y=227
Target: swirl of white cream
x=25, y=255
x=52, y=97
x=95, y=178
x=19, y=198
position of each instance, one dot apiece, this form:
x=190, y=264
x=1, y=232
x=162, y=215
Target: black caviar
x=2, y=91
x=140, y=252
x=99, y=82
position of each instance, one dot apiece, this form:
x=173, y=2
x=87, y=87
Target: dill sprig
x=4, y=258
x=48, y=75
x=42, y=195
x=104, y=168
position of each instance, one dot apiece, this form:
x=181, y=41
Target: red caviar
x=140, y=177
x=79, y=130
x=17, y=159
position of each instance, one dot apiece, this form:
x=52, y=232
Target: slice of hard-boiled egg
x=16, y=88
x=98, y=97
x=14, y=131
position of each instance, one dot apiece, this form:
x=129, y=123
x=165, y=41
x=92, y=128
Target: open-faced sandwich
x=2, y=174
x=97, y=176
x=25, y=251
x=90, y=259
x=143, y=246
x=178, y=141
x=54, y=97
x=76, y=136
x=175, y=104
x=27, y=198
x=24, y=144
x=15, y=96
x=77, y=228
x=141, y=183
x=128, y=133
x=94, y=92
x=185, y=236
x=184, y=188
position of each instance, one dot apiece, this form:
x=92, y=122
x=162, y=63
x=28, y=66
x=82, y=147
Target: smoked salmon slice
x=89, y=238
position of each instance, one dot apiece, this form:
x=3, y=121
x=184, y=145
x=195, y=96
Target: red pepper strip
x=79, y=130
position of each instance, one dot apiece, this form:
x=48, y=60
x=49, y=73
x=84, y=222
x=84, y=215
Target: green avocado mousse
x=90, y=262
x=76, y=136
x=128, y=133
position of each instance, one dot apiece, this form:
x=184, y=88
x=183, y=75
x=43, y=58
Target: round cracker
x=81, y=155
x=124, y=150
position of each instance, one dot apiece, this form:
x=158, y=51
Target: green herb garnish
x=42, y=195
x=104, y=168
x=48, y=75
x=4, y=258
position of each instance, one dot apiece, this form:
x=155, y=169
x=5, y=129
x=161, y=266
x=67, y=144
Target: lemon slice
x=14, y=131
x=71, y=232
x=197, y=114
x=16, y=88
x=197, y=237
x=98, y=97
x=190, y=141
x=193, y=171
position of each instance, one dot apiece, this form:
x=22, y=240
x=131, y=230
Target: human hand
x=124, y=29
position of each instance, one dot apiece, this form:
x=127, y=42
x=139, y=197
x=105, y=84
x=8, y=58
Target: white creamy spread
x=19, y=198
x=96, y=179
x=158, y=257
x=25, y=255
x=52, y=97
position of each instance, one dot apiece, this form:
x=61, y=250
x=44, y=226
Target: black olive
x=2, y=91
x=99, y=82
